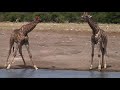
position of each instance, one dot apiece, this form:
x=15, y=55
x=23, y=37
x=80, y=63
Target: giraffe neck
x=28, y=27
x=93, y=25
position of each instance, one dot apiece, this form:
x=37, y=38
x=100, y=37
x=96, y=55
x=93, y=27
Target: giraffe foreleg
x=92, y=56
x=99, y=66
x=99, y=55
x=105, y=52
x=30, y=55
x=103, y=60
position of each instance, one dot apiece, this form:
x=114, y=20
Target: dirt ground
x=61, y=50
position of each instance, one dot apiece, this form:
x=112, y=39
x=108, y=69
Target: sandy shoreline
x=62, y=50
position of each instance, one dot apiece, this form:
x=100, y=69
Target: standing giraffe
x=98, y=37
x=20, y=37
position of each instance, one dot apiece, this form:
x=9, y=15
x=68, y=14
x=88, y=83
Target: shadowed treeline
x=59, y=17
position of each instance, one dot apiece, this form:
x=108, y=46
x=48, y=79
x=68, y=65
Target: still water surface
x=44, y=73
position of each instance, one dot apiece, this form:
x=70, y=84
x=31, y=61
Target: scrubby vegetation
x=59, y=17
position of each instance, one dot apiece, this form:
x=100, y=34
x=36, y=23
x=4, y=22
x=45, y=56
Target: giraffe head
x=37, y=19
x=86, y=16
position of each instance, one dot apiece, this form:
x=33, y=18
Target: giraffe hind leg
x=103, y=60
x=105, y=53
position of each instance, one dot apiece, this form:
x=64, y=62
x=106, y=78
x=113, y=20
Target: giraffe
x=98, y=38
x=20, y=37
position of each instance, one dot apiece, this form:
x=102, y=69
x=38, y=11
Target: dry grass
x=61, y=26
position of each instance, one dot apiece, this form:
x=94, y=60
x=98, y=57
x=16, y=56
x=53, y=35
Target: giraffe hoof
x=6, y=64
x=35, y=67
x=90, y=67
x=99, y=67
x=8, y=67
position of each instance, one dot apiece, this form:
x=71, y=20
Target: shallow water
x=44, y=73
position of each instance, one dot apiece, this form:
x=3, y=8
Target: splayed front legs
x=19, y=46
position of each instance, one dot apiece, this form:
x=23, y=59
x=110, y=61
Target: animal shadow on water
x=1, y=67
x=23, y=67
